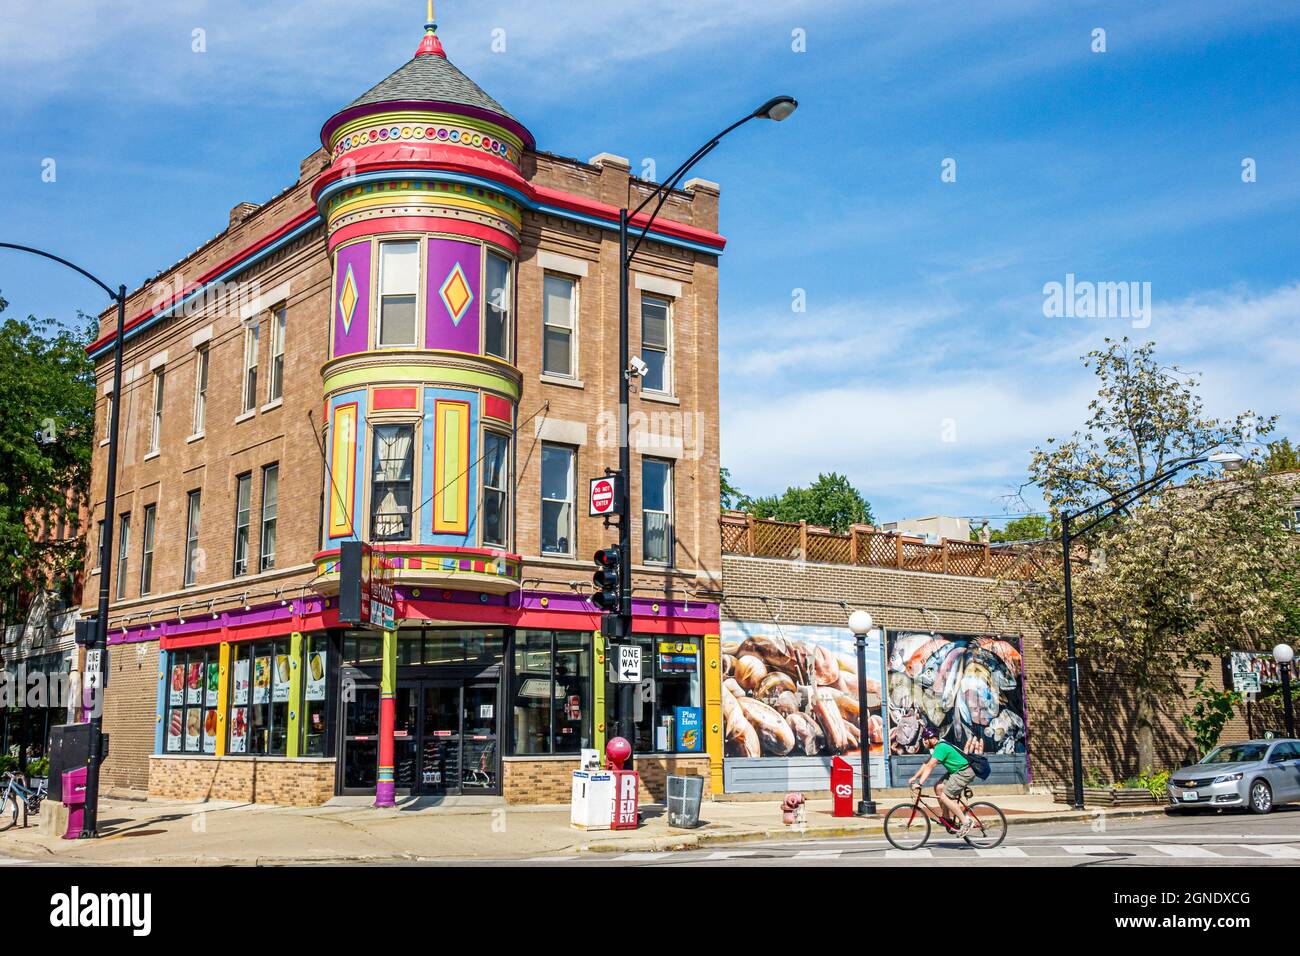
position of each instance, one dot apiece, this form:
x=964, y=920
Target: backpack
x=980, y=764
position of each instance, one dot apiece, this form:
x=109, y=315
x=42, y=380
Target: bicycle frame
x=920, y=804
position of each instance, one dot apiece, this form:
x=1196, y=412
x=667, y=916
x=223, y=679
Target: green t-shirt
x=951, y=758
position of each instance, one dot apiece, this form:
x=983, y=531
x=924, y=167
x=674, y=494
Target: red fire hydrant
x=791, y=808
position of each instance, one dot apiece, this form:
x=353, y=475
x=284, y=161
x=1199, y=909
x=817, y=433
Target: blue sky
x=923, y=365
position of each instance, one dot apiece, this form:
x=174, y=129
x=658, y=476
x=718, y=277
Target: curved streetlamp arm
x=665, y=189
x=115, y=296
x=1129, y=496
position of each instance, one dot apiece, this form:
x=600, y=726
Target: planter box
x=1107, y=797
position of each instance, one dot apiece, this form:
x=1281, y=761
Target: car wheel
x=1261, y=797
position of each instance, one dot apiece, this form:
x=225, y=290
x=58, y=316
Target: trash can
x=74, y=798
x=684, y=797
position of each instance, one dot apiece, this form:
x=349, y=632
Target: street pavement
x=1214, y=841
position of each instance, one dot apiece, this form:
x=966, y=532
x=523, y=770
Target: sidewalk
x=179, y=833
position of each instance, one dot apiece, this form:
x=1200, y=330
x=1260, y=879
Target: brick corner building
x=410, y=346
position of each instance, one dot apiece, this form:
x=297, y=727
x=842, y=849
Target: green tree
x=1025, y=528
x=47, y=393
x=731, y=496
x=831, y=502
x=1281, y=457
x=1177, y=579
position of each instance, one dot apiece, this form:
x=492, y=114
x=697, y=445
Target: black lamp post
x=90, y=819
x=860, y=624
x=778, y=108
x=1119, y=501
x=1284, y=655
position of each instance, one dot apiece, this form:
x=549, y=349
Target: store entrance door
x=458, y=737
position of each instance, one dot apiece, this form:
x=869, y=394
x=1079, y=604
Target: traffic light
x=607, y=578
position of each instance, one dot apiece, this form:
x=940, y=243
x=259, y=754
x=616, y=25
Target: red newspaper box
x=626, y=783
x=842, y=787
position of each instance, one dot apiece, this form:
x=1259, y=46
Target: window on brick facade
x=147, y=533
x=559, y=324
x=200, y=389
x=251, y=332
x=193, y=556
x=657, y=511
x=259, y=698
x=551, y=692
x=496, y=497
x=656, y=337
x=243, y=505
x=558, y=466
x=270, y=508
x=99, y=546
x=123, y=547
x=193, y=682
x=391, y=483
x=155, y=422
x=496, y=313
x=399, y=279
x=276, y=388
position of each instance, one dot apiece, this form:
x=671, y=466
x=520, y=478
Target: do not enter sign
x=602, y=496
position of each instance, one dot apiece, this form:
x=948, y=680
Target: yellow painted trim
x=223, y=695
x=423, y=375
x=412, y=117
x=293, y=742
x=713, y=708
x=427, y=197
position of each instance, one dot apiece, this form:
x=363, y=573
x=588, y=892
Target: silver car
x=1256, y=774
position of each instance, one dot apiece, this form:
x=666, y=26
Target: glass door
x=440, y=758
x=406, y=728
x=480, y=753
x=361, y=739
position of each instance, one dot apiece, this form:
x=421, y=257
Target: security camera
x=639, y=367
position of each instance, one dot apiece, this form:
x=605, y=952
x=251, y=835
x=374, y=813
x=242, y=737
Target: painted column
x=294, y=741
x=223, y=696
x=713, y=708
x=386, y=784
x=598, y=695
x=160, y=728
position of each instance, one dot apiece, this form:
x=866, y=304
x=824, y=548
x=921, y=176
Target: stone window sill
x=663, y=397
x=246, y=416
x=566, y=382
x=152, y=455
x=272, y=405
x=195, y=437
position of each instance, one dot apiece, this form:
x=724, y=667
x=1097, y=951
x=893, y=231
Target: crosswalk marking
x=1276, y=850
x=1090, y=850
x=921, y=854
x=816, y=854
x=1183, y=851
x=729, y=854
x=1004, y=852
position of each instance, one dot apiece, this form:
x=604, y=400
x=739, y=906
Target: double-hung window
x=99, y=548
x=270, y=506
x=108, y=416
x=155, y=423
x=655, y=342
x=391, y=483
x=496, y=331
x=657, y=511
x=192, y=556
x=250, y=367
x=200, y=389
x=558, y=465
x=275, y=390
x=496, y=500
x=399, y=279
x=146, y=548
x=243, y=502
x=559, y=321
x=123, y=546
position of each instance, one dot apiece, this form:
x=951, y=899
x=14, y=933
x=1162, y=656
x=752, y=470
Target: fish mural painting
x=969, y=688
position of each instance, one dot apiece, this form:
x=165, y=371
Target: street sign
x=628, y=664
x=93, y=668
x=602, y=497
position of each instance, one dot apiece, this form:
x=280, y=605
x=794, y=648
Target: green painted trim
x=293, y=743
x=388, y=676
x=598, y=694
x=422, y=375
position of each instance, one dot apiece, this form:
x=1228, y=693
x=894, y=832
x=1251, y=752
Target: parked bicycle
x=907, y=826
x=17, y=790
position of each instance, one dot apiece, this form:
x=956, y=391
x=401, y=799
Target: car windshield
x=1236, y=753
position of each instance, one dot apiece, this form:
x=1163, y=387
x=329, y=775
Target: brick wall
x=130, y=705
x=551, y=781
x=302, y=782
x=960, y=604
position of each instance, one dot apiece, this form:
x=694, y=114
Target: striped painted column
x=386, y=784
x=160, y=730
x=294, y=738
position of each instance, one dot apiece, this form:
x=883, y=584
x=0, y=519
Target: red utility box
x=842, y=787
x=626, y=784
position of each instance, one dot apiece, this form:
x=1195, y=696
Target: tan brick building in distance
x=413, y=345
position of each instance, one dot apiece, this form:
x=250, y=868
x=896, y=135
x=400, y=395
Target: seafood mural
x=969, y=688
x=793, y=691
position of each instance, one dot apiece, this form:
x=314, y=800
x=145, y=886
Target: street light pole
x=1284, y=655
x=860, y=624
x=778, y=108
x=1120, y=500
x=90, y=819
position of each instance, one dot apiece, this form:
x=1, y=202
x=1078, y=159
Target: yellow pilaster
x=713, y=708
x=294, y=741
x=223, y=696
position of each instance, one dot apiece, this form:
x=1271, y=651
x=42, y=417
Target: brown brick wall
x=296, y=782
x=960, y=604
x=130, y=705
x=551, y=781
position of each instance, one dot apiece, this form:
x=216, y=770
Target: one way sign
x=629, y=664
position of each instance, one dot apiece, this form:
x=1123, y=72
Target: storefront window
x=193, y=687
x=259, y=698
x=314, y=681
x=551, y=692
x=671, y=679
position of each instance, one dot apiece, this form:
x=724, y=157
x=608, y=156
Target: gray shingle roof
x=430, y=78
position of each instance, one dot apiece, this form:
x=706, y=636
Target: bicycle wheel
x=990, y=827
x=8, y=811
x=907, y=827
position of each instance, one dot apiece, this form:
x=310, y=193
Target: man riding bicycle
x=949, y=790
